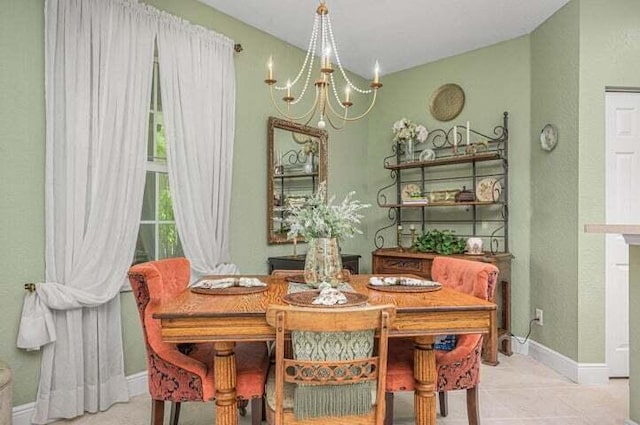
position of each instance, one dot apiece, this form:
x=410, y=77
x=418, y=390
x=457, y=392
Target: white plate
x=408, y=189
x=488, y=190
x=427, y=155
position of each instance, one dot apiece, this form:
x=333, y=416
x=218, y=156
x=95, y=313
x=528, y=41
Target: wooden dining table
x=227, y=319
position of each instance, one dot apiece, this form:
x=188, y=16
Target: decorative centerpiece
x=406, y=132
x=322, y=225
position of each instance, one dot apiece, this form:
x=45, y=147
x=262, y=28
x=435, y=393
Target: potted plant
x=443, y=242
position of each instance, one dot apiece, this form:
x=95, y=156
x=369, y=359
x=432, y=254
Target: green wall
x=21, y=177
x=495, y=79
x=609, y=57
x=554, y=180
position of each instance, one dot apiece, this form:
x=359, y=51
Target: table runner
x=331, y=400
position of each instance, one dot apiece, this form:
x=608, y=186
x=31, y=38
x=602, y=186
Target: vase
x=409, y=150
x=323, y=262
x=308, y=166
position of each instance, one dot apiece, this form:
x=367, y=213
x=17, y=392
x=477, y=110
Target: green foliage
x=319, y=218
x=441, y=242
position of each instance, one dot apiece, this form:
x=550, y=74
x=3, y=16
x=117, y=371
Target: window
x=158, y=235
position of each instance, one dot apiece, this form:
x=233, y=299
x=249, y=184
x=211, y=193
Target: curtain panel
x=98, y=71
x=197, y=80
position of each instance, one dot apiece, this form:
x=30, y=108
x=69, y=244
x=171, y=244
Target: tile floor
x=519, y=391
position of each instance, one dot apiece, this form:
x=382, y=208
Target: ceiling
x=399, y=33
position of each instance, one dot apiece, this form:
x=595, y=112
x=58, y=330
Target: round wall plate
x=548, y=137
x=447, y=102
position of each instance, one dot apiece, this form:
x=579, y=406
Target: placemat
x=404, y=288
x=233, y=290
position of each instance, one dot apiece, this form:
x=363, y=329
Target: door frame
x=610, y=90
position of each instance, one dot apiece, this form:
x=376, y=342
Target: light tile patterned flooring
x=519, y=391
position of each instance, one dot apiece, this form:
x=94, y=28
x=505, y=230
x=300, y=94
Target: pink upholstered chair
x=458, y=369
x=185, y=372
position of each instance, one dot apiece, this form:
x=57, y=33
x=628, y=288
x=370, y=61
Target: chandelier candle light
x=322, y=41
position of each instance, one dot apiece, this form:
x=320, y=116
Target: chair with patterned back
x=335, y=374
x=185, y=372
x=459, y=368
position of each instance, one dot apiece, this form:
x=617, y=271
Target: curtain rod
x=238, y=47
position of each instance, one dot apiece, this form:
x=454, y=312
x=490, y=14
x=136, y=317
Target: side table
x=350, y=262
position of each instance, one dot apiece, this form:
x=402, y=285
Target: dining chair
x=458, y=369
x=184, y=372
x=336, y=373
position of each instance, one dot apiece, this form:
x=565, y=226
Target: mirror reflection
x=297, y=163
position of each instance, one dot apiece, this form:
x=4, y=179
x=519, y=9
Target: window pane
x=150, y=140
x=160, y=145
x=159, y=107
x=149, y=201
x=165, y=204
x=145, y=246
x=170, y=245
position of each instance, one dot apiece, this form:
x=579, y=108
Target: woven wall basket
x=447, y=102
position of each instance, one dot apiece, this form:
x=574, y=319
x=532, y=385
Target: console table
x=350, y=262
x=394, y=261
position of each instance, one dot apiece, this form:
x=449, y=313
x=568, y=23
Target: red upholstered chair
x=458, y=369
x=185, y=372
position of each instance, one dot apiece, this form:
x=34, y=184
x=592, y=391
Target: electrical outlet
x=539, y=316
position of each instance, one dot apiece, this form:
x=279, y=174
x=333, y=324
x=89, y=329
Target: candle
x=467, y=132
x=376, y=77
x=288, y=88
x=347, y=93
x=327, y=58
x=412, y=227
x=455, y=135
x=270, y=67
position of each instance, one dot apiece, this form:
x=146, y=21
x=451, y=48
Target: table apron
x=255, y=328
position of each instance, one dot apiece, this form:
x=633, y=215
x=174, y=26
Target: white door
x=622, y=207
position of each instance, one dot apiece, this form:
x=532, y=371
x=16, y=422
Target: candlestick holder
x=399, y=237
x=413, y=240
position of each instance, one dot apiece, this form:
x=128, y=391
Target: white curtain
x=198, y=95
x=99, y=58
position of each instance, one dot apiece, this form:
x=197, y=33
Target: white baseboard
x=136, y=384
x=519, y=348
x=582, y=373
x=630, y=422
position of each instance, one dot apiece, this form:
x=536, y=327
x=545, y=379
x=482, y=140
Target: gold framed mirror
x=296, y=164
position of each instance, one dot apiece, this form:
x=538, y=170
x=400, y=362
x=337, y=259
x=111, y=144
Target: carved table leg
x=425, y=374
x=225, y=372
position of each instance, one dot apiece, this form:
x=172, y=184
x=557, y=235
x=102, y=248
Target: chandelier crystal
x=322, y=45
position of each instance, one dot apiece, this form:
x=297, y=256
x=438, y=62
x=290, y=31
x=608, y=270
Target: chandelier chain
x=344, y=74
x=310, y=50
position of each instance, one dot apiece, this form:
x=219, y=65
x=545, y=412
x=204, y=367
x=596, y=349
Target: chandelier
x=323, y=46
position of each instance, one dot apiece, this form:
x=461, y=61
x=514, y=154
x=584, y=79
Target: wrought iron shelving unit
x=458, y=166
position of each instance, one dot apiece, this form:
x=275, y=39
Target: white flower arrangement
x=317, y=218
x=405, y=129
x=310, y=147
